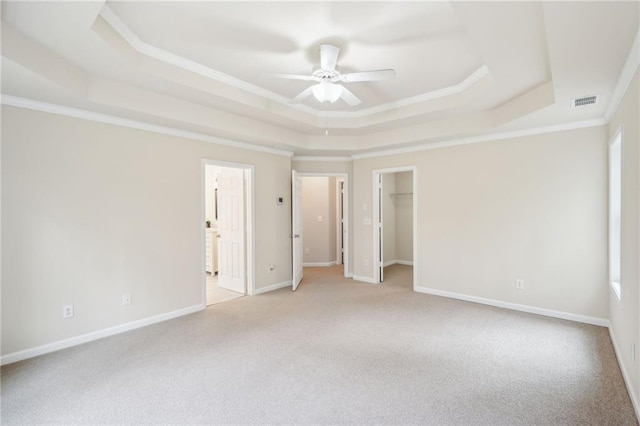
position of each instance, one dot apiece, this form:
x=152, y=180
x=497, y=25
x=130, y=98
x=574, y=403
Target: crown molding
x=112, y=19
x=329, y=159
x=485, y=138
x=626, y=76
x=19, y=102
x=162, y=55
x=465, y=84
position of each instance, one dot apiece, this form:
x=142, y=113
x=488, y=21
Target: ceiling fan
x=328, y=78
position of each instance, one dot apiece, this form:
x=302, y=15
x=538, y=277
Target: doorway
x=320, y=225
x=395, y=211
x=228, y=231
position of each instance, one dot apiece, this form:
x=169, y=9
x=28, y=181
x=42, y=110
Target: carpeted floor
x=334, y=352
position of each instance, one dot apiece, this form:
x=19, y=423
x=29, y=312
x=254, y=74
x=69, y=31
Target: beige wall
x=625, y=319
x=404, y=216
x=531, y=208
x=397, y=218
x=91, y=211
x=388, y=218
x=319, y=238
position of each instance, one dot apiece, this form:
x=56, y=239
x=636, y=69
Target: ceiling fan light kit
x=327, y=75
x=326, y=92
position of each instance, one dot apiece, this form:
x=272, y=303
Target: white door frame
x=297, y=249
x=249, y=211
x=376, y=219
x=340, y=221
x=345, y=212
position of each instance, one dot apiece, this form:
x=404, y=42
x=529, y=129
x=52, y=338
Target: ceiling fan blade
x=302, y=96
x=291, y=76
x=368, y=76
x=328, y=57
x=349, y=97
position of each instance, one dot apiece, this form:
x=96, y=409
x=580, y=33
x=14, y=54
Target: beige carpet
x=334, y=352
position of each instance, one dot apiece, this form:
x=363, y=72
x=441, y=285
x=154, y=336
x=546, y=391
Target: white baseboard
x=348, y=275
x=365, y=279
x=95, y=335
x=312, y=264
x=516, y=307
x=272, y=287
x=625, y=375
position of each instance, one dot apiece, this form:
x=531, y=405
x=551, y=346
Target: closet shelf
x=402, y=193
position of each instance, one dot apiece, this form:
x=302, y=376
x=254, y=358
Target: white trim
x=515, y=307
x=484, y=138
x=626, y=76
x=364, y=279
x=171, y=58
x=272, y=287
x=404, y=262
x=465, y=84
x=317, y=264
x=165, y=56
x=328, y=159
x=251, y=240
x=95, y=335
x=389, y=263
x=348, y=275
x=616, y=287
x=339, y=220
x=133, y=124
x=625, y=375
x=19, y=102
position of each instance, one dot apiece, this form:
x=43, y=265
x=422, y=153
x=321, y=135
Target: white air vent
x=586, y=100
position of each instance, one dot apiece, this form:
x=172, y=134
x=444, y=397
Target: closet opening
x=395, y=231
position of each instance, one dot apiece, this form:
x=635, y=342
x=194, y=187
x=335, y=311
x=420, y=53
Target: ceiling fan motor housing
x=325, y=75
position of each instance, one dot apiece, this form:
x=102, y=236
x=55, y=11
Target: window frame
x=615, y=153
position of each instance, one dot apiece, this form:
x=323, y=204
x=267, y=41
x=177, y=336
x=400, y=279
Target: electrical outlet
x=126, y=299
x=520, y=284
x=67, y=311
x=271, y=267
x=307, y=251
x=365, y=262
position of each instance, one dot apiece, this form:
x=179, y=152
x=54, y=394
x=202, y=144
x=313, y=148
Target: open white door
x=231, y=230
x=380, y=229
x=296, y=228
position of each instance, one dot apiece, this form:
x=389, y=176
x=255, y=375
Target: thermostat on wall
x=280, y=200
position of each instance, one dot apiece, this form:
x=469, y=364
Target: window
x=615, y=211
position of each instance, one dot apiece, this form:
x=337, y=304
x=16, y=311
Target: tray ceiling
x=463, y=68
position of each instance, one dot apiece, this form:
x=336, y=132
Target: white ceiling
x=463, y=68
